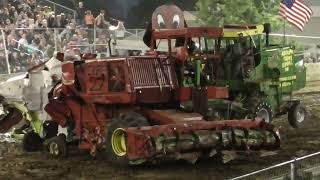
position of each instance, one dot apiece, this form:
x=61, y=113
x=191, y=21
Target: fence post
x=94, y=38
x=55, y=38
x=6, y=51
x=54, y=9
x=293, y=172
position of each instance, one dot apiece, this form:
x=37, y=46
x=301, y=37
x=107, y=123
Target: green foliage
x=219, y=12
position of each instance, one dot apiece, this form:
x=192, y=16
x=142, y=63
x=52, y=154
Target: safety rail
x=55, y=5
x=136, y=33
x=20, y=55
x=306, y=167
x=96, y=40
x=28, y=46
x=295, y=36
x=5, y=51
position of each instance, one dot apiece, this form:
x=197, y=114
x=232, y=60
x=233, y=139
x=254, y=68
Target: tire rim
x=54, y=149
x=300, y=115
x=118, y=142
x=264, y=114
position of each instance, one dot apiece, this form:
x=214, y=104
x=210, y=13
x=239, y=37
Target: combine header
x=162, y=104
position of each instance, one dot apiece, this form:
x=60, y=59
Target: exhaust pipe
x=267, y=30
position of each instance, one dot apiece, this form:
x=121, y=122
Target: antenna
x=284, y=32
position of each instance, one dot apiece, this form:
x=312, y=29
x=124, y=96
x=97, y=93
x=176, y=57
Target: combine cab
x=143, y=108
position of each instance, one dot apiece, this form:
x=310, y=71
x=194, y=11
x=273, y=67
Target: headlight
x=299, y=64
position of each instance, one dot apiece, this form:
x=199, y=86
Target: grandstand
x=32, y=30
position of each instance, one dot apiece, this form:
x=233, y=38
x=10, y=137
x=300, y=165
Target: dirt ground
x=16, y=164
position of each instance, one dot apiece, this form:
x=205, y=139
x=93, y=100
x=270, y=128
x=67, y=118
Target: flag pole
x=284, y=32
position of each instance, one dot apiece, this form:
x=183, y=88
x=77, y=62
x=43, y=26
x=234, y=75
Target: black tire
x=50, y=129
x=260, y=108
x=297, y=115
x=57, y=146
x=125, y=120
x=31, y=142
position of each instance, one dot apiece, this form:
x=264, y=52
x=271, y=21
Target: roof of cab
x=228, y=31
x=232, y=31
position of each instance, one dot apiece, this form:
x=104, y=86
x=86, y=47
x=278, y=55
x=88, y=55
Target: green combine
x=261, y=77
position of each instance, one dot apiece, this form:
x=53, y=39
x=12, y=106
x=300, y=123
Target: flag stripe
x=293, y=18
x=300, y=9
x=298, y=14
x=305, y=8
x=294, y=21
x=296, y=25
x=299, y=2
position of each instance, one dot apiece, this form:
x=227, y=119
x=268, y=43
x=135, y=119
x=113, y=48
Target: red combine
x=132, y=107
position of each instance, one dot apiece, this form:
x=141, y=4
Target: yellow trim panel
x=235, y=32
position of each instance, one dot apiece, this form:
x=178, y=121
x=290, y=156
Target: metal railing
x=28, y=46
x=19, y=56
x=306, y=167
x=95, y=40
x=301, y=40
x=48, y=40
x=5, y=51
x=58, y=8
x=135, y=33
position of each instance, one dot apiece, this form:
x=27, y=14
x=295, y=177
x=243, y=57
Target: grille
x=151, y=72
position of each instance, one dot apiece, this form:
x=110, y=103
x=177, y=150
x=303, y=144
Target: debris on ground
x=16, y=164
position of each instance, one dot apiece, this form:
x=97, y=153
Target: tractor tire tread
x=255, y=104
x=292, y=119
x=62, y=146
x=130, y=119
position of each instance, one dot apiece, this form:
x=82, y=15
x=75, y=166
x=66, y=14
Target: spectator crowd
x=32, y=32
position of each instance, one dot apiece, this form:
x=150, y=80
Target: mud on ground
x=16, y=164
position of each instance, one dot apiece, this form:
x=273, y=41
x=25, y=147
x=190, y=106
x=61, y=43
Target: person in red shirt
x=89, y=19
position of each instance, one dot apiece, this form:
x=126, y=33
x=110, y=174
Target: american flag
x=295, y=12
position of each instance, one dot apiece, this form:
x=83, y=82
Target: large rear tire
x=57, y=146
x=260, y=108
x=116, y=146
x=297, y=115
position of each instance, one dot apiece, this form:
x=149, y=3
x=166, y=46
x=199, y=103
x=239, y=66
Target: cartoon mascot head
x=167, y=16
